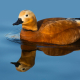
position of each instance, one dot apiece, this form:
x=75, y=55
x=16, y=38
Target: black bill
x=19, y=21
x=16, y=64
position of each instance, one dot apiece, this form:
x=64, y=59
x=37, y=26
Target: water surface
x=42, y=61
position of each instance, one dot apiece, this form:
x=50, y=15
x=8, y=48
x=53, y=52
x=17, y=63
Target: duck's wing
x=43, y=21
x=54, y=27
x=60, y=32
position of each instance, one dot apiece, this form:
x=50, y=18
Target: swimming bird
x=59, y=31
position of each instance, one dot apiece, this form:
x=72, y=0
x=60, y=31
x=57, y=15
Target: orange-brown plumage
x=52, y=30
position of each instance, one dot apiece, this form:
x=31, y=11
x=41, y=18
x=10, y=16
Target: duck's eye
x=27, y=15
x=23, y=68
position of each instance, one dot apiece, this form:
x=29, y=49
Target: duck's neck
x=32, y=27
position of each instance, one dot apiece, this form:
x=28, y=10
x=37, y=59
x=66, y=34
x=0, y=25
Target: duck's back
x=54, y=27
x=60, y=32
x=43, y=21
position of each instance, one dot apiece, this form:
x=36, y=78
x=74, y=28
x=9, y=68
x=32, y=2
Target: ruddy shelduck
x=59, y=31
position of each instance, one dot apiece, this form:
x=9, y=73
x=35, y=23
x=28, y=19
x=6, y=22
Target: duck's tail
x=78, y=21
x=75, y=19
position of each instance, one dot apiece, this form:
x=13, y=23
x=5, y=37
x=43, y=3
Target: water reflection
x=27, y=59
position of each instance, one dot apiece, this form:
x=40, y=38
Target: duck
x=60, y=31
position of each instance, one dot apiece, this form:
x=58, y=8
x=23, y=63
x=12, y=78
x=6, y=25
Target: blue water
x=64, y=64
x=48, y=62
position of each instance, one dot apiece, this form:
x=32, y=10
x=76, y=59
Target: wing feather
x=54, y=27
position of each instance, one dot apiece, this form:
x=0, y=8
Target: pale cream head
x=29, y=20
x=27, y=16
x=23, y=67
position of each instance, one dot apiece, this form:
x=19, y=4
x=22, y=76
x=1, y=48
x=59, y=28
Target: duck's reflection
x=27, y=58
